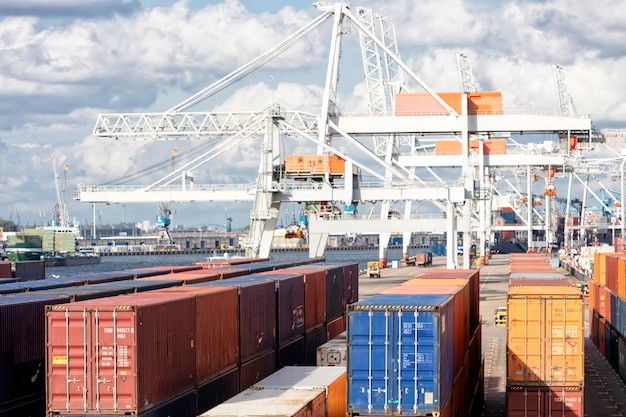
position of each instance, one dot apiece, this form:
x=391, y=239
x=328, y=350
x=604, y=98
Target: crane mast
x=60, y=213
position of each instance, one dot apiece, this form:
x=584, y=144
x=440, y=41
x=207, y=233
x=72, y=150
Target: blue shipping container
x=621, y=316
x=400, y=350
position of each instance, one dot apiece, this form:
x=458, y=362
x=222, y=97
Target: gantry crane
x=390, y=165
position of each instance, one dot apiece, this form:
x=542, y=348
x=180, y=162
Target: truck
x=373, y=269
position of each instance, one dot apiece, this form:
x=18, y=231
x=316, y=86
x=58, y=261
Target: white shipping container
x=332, y=379
x=334, y=352
x=272, y=402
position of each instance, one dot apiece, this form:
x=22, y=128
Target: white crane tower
x=394, y=147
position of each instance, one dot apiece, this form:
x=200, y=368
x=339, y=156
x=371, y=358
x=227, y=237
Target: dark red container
x=5, y=270
x=217, y=390
x=30, y=270
x=185, y=278
x=22, y=347
x=314, y=294
x=100, y=277
x=350, y=283
x=335, y=302
x=289, y=305
x=544, y=401
x=228, y=272
x=257, y=369
x=119, y=355
x=217, y=328
x=257, y=313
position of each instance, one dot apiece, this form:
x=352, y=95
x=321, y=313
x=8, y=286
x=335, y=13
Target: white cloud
x=64, y=61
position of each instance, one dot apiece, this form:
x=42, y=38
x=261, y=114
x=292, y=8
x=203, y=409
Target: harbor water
x=120, y=263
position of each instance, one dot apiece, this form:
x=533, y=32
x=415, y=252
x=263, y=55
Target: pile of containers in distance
x=545, y=341
x=400, y=344
x=179, y=348
x=607, y=308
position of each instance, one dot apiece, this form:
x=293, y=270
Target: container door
x=416, y=348
x=564, y=343
x=68, y=358
x=114, y=358
x=393, y=362
x=370, y=362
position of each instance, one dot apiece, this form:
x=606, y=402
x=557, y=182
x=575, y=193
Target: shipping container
x=32, y=286
x=289, y=305
x=217, y=328
x=119, y=355
x=314, y=294
x=100, y=277
x=5, y=270
x=332, y=380
x=183, y=405
x=22, y=347
x=29, y=270
x=272, y=403
x=335, y=303
x=217, y=390
x=335, y=327
x=599, y=268
x=186, y=277
x=312, y=340
x=460, y=325
x=473, y=275
x=545, y=336
x=256, y=369
x=257, y=314
x=400, y=338
x=544, y=401
x=621, y=364
x=291, y=353
x=334, y=352
x=602, y=336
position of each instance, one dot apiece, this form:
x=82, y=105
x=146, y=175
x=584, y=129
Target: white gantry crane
x=342, y=140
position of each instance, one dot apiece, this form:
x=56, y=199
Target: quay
x=605, y=393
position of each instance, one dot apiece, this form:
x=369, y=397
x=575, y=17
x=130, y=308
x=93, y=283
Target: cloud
x=63, y=62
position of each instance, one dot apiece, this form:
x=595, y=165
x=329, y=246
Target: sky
x=63, y=62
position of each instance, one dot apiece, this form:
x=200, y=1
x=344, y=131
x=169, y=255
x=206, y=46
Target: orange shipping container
x=545, y=336
x=478, y=102
x=490, y=146
x=599, y=268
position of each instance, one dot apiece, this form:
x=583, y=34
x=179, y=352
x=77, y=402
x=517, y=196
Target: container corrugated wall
x=395, y=348
x=22, y=347
x=119, y=355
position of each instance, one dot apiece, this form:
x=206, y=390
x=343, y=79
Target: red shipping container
x=119, y=355
x=217, y=328
x=335, y=328
x=473, y=275
x=257, y=313
x=5, y=269
x=544, y=401
x=190, y=277
x=257, y=369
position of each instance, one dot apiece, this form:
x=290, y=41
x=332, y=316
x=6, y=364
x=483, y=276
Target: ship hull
x=71, y=260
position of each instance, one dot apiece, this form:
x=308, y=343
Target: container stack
x=607, y=308
x=417, y=325
x=545, y=341
x=112, y=351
